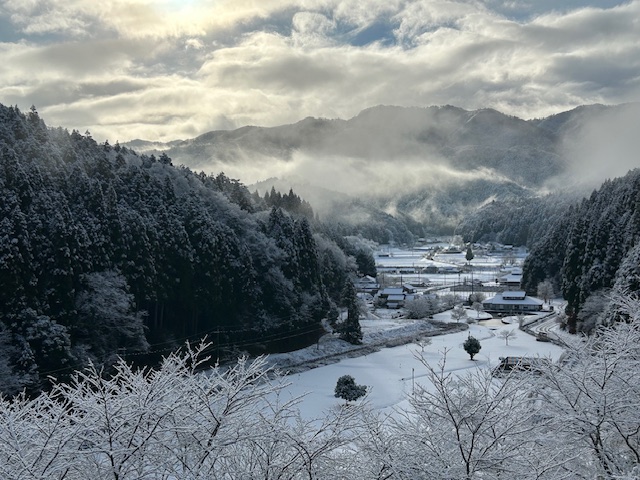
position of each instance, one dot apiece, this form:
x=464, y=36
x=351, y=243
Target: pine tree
x=472, y=346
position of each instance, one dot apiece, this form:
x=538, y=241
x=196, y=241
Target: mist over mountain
x=430, y=166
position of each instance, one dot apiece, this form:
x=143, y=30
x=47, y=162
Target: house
x=408, y=288
x=511, y=280
x=395, y=297
x=512, y=302
x=366, y=284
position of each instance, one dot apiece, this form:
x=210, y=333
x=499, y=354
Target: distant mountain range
x=428, y=166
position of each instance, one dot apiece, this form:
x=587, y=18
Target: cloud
x=605, y=147
x=125, y=66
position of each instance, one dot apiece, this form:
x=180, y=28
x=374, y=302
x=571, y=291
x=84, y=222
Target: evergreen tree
x=350, y=329
x=347, y=389
x=472, y=346
x=469, y=255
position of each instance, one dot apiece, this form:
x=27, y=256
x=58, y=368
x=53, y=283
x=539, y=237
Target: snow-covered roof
x=514, y=295
x=395, y=298
x=511, y=278
x=500, y=300
x=392, y=291
x=366, y=279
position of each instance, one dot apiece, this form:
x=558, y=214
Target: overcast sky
x=167, y=69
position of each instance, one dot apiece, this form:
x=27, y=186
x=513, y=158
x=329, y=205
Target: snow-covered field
x=390, y=373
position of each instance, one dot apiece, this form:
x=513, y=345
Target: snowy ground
x=390, y=373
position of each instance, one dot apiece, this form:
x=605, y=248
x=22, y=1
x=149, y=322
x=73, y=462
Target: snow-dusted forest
x=104, y=253
x=575, y=420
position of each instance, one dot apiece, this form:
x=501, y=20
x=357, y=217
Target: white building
x=512, y=302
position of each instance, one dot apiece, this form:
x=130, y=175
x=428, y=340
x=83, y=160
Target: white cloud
x=126, y=66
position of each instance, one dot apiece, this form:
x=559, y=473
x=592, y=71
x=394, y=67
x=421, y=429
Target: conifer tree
x=350, y=329
x=472, y=346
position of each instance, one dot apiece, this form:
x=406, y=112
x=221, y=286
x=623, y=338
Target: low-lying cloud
x=606, y=146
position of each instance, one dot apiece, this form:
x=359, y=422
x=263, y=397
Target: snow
x=487, y=267
x=390, y=373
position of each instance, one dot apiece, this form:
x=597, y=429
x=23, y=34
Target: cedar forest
x=105, y=253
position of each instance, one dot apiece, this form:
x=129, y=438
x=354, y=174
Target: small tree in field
x=472, y=346
x=507, y=334
x=458, y=313
x=347, y=389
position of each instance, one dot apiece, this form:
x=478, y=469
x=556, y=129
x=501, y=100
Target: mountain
x=467, y=139
x=431, y=165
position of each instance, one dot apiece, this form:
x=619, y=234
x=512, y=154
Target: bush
x=347, y=389
x=471, y=346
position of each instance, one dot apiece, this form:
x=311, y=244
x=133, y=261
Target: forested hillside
x=106, y=252
x=518, y=222
x=590, y=250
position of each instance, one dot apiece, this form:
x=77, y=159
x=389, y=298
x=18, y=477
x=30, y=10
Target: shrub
x=347, y=389
x=471, y=346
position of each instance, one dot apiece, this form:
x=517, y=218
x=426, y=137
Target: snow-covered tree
x=593, y=398
x=464, y=427
x=347, y=389
x=422, y=306
x=594, y=311
x=545, y=290
x=458, y=313
x=108, y=317
x=171, y=422
x=477, y=306
x=507, y=335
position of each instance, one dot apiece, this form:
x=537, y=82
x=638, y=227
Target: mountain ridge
x=390, y=155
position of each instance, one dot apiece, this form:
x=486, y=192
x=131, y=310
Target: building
x=396, y=297
x=512, y=302
x=366, y=284
x=512, y=279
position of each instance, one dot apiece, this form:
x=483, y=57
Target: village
x=490, y=278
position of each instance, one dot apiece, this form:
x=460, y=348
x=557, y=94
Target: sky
x=173, y=69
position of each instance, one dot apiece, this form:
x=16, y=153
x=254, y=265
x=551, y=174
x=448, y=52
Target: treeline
x=520, y=222
x=104, y=253
x=289, y=201
x=590, y=250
